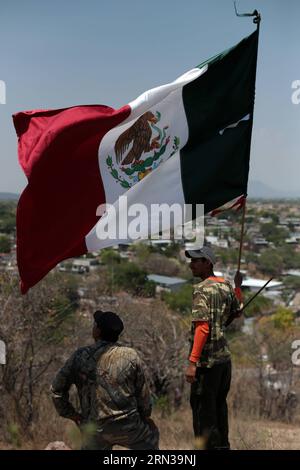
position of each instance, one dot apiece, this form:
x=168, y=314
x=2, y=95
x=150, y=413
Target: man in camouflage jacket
x=113, y=392
x=209, y=369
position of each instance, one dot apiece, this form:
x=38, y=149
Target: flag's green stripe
x=214, y=58
x=215, y=167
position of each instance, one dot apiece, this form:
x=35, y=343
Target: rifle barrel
x=257, y=293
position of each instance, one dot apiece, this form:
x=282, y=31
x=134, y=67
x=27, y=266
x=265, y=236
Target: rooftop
x=167, y=280
x=252, y=282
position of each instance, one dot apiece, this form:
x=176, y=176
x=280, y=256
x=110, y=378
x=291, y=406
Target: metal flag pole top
x=255, y=13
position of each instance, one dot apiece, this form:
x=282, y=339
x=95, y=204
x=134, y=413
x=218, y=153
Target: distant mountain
x=256, y=190
x=259, y=190
x=9, y=197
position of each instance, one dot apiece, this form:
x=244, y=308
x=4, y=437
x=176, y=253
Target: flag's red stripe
x=58, y=151
x=237, y=206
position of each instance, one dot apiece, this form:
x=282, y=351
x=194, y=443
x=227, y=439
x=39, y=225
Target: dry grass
x=176, y=433
x=264, y=435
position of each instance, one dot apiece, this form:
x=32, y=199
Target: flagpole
x=256, y=20
x=242, y=235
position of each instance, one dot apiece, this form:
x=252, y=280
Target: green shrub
x=181, y=301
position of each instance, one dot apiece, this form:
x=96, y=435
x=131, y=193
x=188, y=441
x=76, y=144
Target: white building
x=84, y=265
x=216, y=241
x=272, y=290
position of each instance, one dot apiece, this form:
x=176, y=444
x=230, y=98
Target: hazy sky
x=61, y=53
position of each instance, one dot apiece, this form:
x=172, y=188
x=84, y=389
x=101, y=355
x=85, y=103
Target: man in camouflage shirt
x=209, y=369
x=113, y=391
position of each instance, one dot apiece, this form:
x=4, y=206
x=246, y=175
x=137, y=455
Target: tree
x=131, y=277
x=159, y=335
x=250, y=256
x=259, y=306
x=172, y=250
x=292, y=282
x=274, y=234
x=270, y=215
x=5, y=245
x=180, y=301
x=270, y=262
x=291, y=258
x=110, y=256
x=142, y=251
x=227, y=255
x=264, y=380
x=32, y=327
x=283, y=318
x=7, y=216
x=160, y=264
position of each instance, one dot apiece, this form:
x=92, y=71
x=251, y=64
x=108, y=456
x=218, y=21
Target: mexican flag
x=187, y=141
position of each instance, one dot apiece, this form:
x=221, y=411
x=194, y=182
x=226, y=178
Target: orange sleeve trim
x=238, y=293
x=200, y=337
x=216, y=279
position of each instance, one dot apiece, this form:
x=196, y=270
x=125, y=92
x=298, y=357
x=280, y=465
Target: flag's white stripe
x=167, y=100
x=163, y=184
x=159, y=187
x=152, y=97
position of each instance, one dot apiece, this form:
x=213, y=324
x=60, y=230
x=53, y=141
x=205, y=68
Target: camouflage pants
x=209, y=406
x=132, y=433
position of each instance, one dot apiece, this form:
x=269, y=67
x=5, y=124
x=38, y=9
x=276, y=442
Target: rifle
x=238, y=313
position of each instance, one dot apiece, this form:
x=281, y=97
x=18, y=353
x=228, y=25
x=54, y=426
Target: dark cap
x=109, y=322
x=204, y=252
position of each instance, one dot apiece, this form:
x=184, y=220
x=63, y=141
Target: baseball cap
x=204, y=252
x=109, y=322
